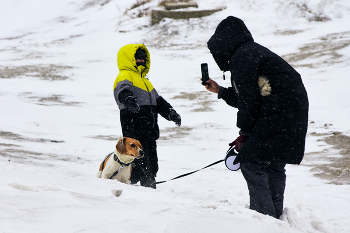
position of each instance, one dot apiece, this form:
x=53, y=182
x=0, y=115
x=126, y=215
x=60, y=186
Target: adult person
x=272, y=112
x=139, y=105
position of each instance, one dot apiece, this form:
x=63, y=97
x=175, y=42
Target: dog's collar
x=118, y=160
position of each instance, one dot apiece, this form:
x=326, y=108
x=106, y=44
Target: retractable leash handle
x=230, y=157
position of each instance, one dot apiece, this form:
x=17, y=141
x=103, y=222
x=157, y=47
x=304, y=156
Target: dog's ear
x=121, y=148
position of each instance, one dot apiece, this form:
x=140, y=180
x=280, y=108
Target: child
x=139, y=105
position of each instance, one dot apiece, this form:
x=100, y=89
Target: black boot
x=148, y=182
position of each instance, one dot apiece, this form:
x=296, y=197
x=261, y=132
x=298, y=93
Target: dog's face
x=130, y=147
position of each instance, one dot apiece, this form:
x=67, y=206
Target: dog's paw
x=116, y=192
x=99, y=174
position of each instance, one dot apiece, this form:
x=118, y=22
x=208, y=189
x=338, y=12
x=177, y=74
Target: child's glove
x=175, y=117
x=131, y=104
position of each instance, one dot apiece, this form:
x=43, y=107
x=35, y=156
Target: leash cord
x=159, y=182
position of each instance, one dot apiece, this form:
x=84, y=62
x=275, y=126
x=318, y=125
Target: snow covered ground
x=59, y=119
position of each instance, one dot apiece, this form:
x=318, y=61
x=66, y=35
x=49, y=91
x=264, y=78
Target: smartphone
x=205, y=73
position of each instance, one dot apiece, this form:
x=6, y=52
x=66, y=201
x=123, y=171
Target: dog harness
x=122, y=165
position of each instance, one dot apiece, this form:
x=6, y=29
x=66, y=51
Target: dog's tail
x=99, y=174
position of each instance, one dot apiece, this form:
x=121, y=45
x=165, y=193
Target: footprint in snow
x=117, y=192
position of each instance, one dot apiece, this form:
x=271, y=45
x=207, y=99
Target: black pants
x=266, y=183
x=145, y=169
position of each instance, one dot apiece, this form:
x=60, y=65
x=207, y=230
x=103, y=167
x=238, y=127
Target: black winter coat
x=268, y=92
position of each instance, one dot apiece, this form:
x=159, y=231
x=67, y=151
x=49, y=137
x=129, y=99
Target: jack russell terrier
x=117, y=165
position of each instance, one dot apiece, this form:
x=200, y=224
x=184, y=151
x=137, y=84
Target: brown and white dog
x=117, y=165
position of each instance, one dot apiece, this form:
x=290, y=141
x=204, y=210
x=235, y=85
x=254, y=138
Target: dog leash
x=159, y=182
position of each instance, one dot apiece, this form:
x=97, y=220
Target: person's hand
x=175, y=117
x=131, y=104
x=238, y=143
x=212, y=86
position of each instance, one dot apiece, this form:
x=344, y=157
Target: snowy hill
x=59, y=118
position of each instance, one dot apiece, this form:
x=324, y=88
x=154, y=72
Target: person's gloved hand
x=238, y=143
x=175, y=117
x=131, y=104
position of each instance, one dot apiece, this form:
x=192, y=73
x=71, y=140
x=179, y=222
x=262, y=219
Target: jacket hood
x=126, y=59
x=229, y=35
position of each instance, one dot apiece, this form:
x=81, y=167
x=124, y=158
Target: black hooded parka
x=270, y=96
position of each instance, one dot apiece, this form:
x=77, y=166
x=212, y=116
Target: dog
x=117, y=165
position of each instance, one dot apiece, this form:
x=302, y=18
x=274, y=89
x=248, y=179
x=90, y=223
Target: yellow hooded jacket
x=132, y=81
